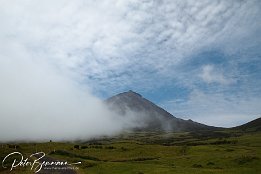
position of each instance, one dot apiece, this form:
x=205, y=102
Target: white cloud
x=216, y=109
x=100, y=40
x=88, y=37
x=210, y=74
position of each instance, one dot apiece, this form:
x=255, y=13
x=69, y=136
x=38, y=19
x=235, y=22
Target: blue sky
x=198, y=60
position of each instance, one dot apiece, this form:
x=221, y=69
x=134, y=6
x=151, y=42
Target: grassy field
x=222, y=152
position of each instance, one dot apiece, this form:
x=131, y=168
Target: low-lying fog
x=39, y=102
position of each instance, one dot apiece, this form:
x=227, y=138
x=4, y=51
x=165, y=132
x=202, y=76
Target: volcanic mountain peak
x=132, y=93
x=126, y=96
x=155, y=117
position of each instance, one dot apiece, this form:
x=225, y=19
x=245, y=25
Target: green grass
x=223, y=152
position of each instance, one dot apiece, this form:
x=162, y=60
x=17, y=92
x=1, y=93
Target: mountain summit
x=154, y=117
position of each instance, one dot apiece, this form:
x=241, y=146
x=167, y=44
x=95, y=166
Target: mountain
x=152, y=117
x=252, y=126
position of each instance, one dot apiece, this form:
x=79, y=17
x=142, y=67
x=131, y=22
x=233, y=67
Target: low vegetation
x=224, y=152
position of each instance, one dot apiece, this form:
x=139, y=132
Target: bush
x=96, y=147
x=110, y=147
x=197, y=166
x=76, y=146
x=220, y=142
x=124, y=149
x=84, y=147
x=210, y=163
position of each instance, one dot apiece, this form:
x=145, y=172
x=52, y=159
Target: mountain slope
x=254, y=125
x=153, y=117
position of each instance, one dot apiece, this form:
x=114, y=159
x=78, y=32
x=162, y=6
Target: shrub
x=124, y=149
x=84, y=147
x=210, y=163
x=110, y=147
x=76, y=146
x=197, y=166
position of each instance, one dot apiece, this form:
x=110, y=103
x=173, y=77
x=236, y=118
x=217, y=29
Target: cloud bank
x=38, y=103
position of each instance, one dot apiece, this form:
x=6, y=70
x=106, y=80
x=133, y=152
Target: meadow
x=217, y=152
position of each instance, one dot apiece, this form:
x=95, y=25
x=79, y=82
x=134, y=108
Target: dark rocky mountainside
x=154, y=117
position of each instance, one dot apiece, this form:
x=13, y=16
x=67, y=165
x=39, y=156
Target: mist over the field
x=39, y=103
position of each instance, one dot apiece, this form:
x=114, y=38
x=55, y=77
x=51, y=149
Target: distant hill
x=254, y=125
x=154, y=117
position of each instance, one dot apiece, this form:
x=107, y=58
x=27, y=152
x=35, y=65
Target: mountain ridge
x=155, y=117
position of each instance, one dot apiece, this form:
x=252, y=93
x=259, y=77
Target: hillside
x=254, y=125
